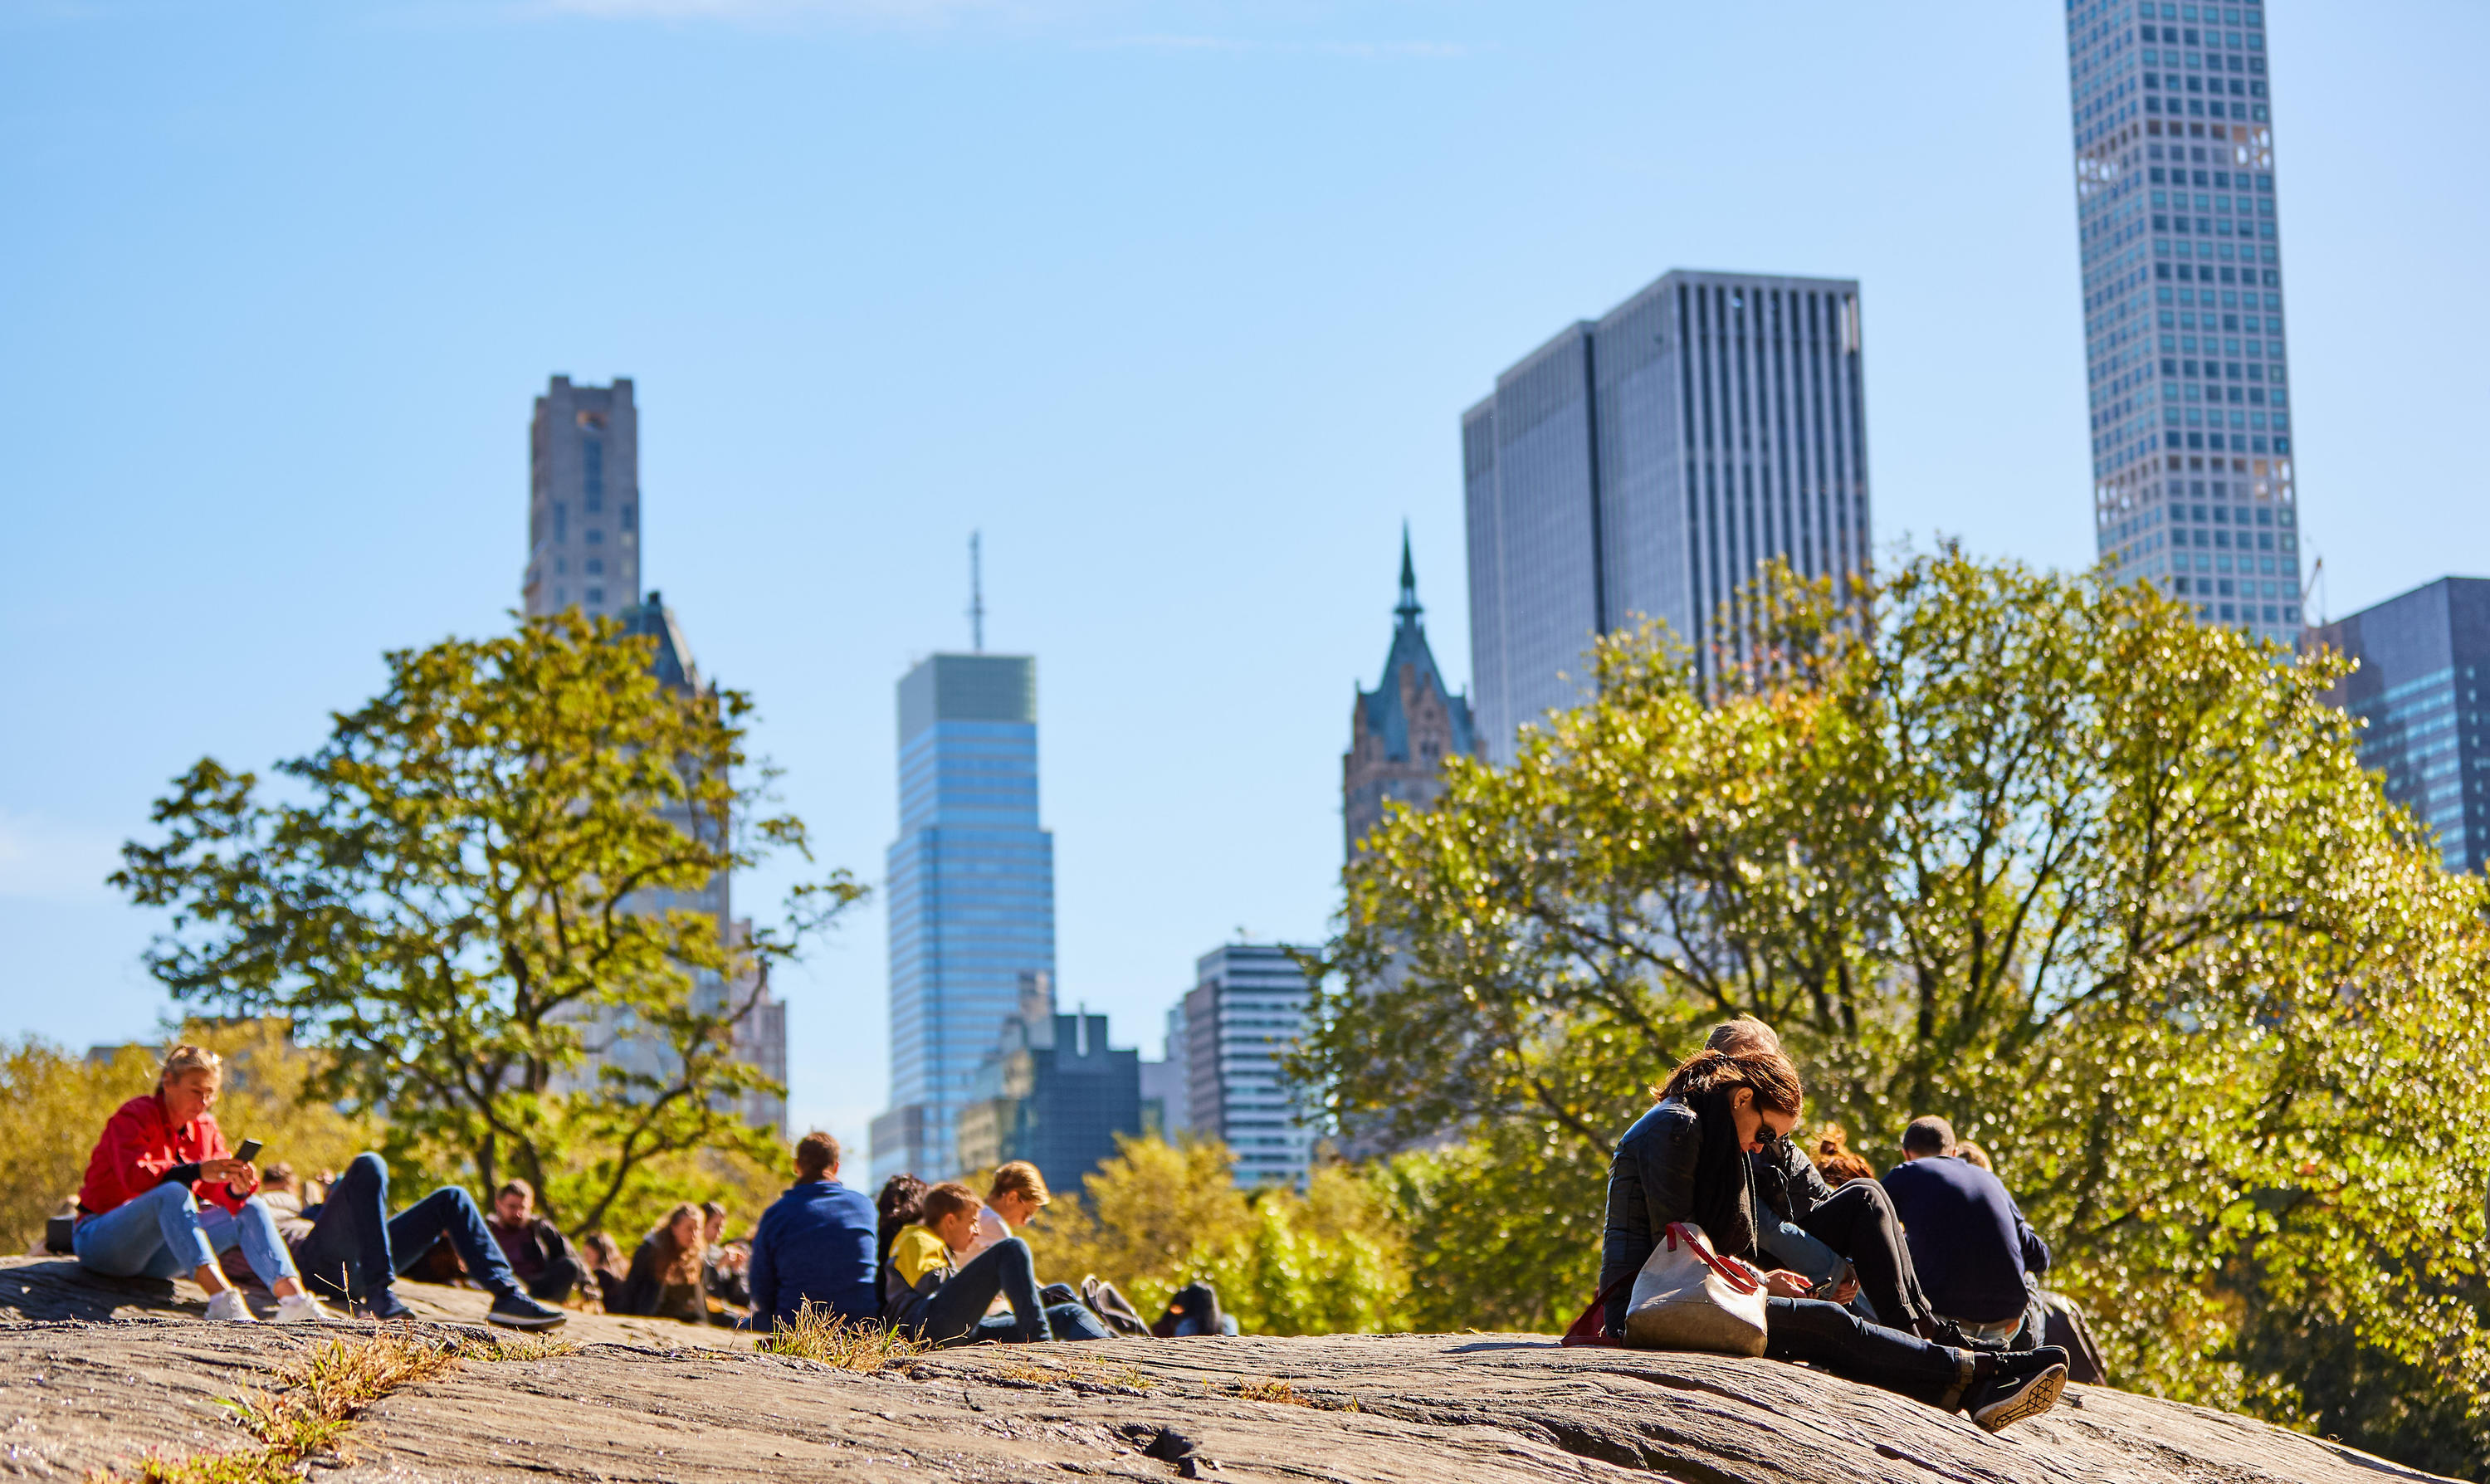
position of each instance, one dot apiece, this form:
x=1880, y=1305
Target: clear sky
x=1179, y=304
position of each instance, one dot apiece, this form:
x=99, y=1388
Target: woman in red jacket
x=163, y=1195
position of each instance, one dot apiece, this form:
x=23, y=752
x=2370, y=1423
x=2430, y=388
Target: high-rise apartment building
x=2424, y=663
x=1642, y=465
x=1247, y=1007
x=1401, y=732
x=584, y=501
x=2183, y=306
x=971, y=892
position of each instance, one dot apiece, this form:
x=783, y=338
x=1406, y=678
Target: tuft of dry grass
x=816, y=1333
x=517, y=1347
x=1278, y=1392
x=320, y=1390
x=1122, y=1375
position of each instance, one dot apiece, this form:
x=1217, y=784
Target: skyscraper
x=1246, y=1008
x=584, y=501
x=1643, y=464
x=972, y=894
x=2424, y=663
x=2183, y=306
x=1401, y=732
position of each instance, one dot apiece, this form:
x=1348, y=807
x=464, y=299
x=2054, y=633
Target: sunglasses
x=1767, y=1136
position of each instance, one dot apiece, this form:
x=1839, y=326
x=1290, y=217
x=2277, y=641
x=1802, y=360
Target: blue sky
x=1177, y=302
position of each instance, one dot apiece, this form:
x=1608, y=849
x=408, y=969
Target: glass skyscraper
x=2424, y=663
x=1643, y=464
x=2183, y=306
x=971, y=895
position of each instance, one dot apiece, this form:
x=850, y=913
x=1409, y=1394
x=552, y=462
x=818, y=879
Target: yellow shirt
x=917, y=1251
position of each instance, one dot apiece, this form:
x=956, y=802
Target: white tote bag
x=1689, y=1297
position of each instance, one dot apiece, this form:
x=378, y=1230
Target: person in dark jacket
x=537, y=1252
x=665, y=1277
x=1849, y=1241
x=815, y=1242
x=1969, y=1242
x=1690, y=1159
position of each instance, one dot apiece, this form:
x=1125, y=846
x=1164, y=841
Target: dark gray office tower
x=584, y=501
x=2424, y=657
x=2192, y=481
x=1642, y=465
x=1052, y=1092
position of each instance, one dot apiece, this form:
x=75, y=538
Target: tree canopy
x=496, y=893
x=2105, y=886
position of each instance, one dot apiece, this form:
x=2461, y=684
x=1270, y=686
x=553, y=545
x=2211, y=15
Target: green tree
x=2105, y=886
x=1161, y=1215
x=509, y=859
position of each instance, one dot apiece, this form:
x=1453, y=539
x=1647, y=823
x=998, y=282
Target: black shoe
x=517, y=1310
x=385, y=1306
x=2009, y=1398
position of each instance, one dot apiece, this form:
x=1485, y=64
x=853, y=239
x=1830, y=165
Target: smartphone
x=248, y=1151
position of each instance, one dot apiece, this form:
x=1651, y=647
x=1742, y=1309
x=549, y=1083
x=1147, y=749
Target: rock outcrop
x=93, y=1374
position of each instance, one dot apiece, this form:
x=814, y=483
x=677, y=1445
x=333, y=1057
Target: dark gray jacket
x=1789, y=1181
x=1651, y=1183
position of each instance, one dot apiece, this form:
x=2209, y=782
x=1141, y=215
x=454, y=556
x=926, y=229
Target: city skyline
x=1185, y=511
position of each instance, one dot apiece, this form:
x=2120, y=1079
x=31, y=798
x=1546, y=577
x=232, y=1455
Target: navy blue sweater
x=816, y=1241
x=1969, y=1244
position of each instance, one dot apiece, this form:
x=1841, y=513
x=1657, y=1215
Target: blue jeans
x=165, y=1233
x=356, y=1249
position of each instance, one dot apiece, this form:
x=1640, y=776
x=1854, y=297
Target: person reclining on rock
x=539, y=1256
x=355, y=1249
x=1969, y=1242
x=1690, y=1159
x=1849, y=1237
x=931, y=1289
x=814, y=1243
x=163, y=1196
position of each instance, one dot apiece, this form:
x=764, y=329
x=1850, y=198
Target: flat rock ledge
x=94, y=1373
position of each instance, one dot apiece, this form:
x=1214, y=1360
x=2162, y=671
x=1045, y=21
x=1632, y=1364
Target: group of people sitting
x=1921, y=1283
x=936, y=1260
x=164, y=1195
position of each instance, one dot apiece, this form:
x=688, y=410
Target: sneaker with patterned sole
x=2002, y=1402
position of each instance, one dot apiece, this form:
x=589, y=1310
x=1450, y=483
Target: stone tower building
x=1401, y=732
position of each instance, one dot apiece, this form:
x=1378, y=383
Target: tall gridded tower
x=1643, y=464
x=583, y=500
x=2183, y=306
x=972, y=895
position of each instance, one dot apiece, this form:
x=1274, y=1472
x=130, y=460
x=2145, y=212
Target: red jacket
x=138, y=1146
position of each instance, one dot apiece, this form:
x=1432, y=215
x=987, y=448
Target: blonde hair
x=183, y=1060
x=1021, y=1179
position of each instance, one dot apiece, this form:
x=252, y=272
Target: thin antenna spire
x=1408, y=609
x=976, y=596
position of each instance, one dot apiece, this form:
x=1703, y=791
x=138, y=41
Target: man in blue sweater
x=816, y=1242
x=1969, y=1244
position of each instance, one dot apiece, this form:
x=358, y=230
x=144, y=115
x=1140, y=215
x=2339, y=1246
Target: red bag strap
x=1736, y=1276
x=1592, y=1328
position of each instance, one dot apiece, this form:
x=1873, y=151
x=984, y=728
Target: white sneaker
x=225, y=1307
x=303, y=1309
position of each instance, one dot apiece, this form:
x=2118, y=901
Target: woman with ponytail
x=1690, y=1159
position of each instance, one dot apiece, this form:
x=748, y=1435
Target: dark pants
x=555, y=1283
x=355, y=1249
x=1832, y=1338
x=1860, y=1224
x=956, y=1313
x=1194, y=1309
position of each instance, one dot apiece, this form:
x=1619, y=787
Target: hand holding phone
x=248, y=1151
